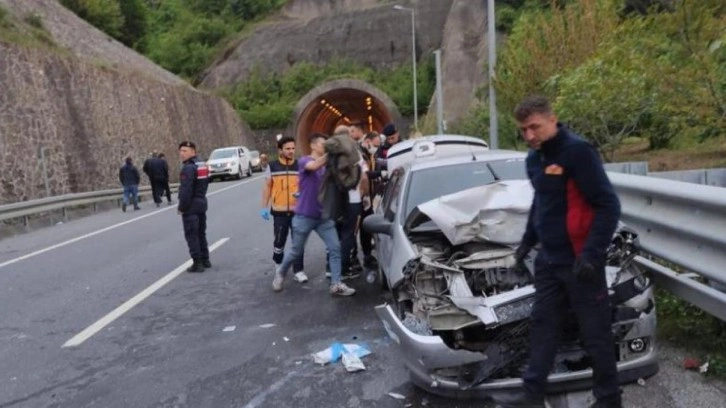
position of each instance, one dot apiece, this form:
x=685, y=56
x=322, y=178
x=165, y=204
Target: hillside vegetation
x=654, y=74
x=182, y=36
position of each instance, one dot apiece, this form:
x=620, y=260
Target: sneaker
x=341, y=289
x=277, y=282
x=158, y=205
x=206, y=263
x=301, y=277
x=328, y=275
x=123, y=207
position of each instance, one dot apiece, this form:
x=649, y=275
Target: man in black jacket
x=164, y=188
x=157, y=171
x=193, y=181
x=130, y=178
x=573, y=217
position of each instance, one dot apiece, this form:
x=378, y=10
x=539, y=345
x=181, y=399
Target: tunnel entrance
x=344, y=101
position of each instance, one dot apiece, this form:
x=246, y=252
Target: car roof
x=485, y=156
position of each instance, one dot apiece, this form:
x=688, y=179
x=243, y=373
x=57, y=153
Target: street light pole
x=413, y=54
x=439, y=95
x=493, y=125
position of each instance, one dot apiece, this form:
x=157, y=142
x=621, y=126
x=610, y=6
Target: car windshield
x=223, y=154
x=428, y=184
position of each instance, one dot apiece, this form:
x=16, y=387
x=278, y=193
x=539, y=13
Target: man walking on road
x=130, y=178
x=165, y=189
x=281, y=185
x=192, y=207
x=156, y=169
x=308, y=218
x=573, y=217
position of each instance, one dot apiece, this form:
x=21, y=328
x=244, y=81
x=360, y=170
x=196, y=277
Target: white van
x=233, y=161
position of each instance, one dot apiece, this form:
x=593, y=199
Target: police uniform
x=193, y=181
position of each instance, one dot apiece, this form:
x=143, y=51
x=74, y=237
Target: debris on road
x=397, y=396
x=286, y=339
x=336, y=351
x=352, y=363
x=704, y=368
x=641, y=382
x=267, y=325
x=229, y=328
x=691, y=363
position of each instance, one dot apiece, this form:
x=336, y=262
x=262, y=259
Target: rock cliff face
x=88, y=116
x=369, y=32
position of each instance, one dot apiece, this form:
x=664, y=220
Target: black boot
x=614, y=401
x=197, y=266
x=519, y=399
x=207, y=264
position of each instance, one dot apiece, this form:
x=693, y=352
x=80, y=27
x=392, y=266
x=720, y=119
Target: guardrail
x=683, y=224
x=27, y=208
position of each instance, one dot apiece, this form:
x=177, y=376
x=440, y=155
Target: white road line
x=79, y=338
x=94, y=233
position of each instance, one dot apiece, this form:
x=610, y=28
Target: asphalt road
x=169, y=347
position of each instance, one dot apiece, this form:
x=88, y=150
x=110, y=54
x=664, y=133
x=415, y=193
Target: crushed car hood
x=495, y=213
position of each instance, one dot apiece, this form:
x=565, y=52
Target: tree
x=103, y=14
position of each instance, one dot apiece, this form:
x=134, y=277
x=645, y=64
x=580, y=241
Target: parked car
x=446, y=232
x=256, y=161
x=233, y=161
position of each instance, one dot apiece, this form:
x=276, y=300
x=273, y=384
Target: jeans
x=302, y=226
x=282, y=224
x=557, y=287
x=131, y=191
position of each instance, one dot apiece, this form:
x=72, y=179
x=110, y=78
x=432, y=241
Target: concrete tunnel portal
x=342, y=102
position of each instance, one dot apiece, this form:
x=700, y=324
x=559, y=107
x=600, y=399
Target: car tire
x=239, y=173
x=249, y=171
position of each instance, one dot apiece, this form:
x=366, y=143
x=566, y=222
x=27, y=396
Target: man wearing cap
x=192, y=207
x=392, y=137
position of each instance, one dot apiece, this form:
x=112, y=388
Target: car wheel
x=249, y=171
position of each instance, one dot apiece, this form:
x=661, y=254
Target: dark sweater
x=575, y=209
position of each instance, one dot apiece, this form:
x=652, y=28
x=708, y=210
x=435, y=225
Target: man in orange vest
x=279, y=200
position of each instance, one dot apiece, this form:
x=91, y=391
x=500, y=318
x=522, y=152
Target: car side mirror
x=377, y=224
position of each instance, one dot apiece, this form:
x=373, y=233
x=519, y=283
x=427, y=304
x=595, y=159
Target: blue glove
x=265, y=214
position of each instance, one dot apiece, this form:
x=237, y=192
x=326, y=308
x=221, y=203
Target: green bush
x=690, y=327
x=267, y=99
x=34, y=20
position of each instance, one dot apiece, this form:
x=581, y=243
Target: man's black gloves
x=586, y=271
x=519, y=256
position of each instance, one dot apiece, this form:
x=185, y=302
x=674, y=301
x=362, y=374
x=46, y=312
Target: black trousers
x=157, y=189
x=195, y=232
x=165, y=190
x=557, y=287
x=366, y=238
x=282, y=224
x=346, y=234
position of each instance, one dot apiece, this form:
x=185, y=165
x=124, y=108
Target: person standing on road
x=281, y=186
x=392, y=137
x=130, y=178
x=154, y=169
x=193, y=181
x=574, y=215
x=308, y=218
x=164, y=182
x=364, y=192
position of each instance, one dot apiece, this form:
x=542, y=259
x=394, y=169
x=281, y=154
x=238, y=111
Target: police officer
x=193, y=205
x=573, y=217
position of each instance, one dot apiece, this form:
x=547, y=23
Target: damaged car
x=446, y=232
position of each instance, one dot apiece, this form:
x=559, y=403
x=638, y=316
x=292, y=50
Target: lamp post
x=493, y=123
x=413, y=53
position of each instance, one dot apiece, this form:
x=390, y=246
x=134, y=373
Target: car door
x=389, y=208
x=245, y=159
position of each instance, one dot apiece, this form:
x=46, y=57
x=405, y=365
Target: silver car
x=446, y=231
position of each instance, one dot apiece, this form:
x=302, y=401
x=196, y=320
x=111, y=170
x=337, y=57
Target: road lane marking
x=79, y=338
x=121, y=224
